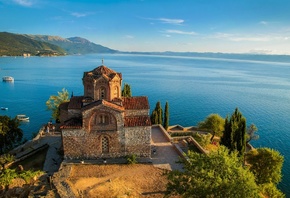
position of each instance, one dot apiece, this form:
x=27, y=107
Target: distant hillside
x=17, y=45
x=74, y=45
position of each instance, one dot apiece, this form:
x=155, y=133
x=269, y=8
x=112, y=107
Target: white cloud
x=79, y=14
x=253, y=38
x=166, y=20
x=220, y=35
x=180, y=32
x=263, y=22
x=129, y=36
x=26, y=3
x=171, y=21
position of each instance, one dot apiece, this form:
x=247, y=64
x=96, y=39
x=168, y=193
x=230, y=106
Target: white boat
x=22, y=117
x=4, y=108
x=8, y=79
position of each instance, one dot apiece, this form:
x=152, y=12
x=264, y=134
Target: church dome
x=102, y=71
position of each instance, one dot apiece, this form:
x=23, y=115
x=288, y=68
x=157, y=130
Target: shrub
x=6, y=176
x=132, y=159
x=203, y=140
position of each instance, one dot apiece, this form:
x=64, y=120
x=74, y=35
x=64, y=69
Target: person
x=47, y=128
x=53, y=129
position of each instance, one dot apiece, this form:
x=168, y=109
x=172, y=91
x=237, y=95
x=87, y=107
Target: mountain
x=73, y=45
x=18, y=45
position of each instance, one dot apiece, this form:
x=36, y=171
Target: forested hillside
x=73, y=45
x=17, y=45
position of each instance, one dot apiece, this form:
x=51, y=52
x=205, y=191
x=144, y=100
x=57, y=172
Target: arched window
x=102, y=93
x=102, y=119
x=105, y=144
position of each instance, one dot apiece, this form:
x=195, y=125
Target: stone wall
x=138, y=141
x=78, y=144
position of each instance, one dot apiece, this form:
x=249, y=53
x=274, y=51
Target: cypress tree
x=234, y=137
x=126, y=92
x=154, y=117
x=166, y=116
x=157, y=114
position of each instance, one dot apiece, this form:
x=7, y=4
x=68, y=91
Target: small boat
x=8, y=79
x=22, y=117
x=4, y=108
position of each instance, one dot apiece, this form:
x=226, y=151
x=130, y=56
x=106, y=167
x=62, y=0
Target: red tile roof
x=133, y=121
x=102, y=71
x=136, y=103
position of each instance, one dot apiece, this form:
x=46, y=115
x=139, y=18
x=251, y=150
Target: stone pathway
x=165, y=155
x=53, y=159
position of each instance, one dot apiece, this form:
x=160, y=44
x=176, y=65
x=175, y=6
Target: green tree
x=157, y=114
x=266, y=164
x=251, y=133
x=218, y=174
x=126, y=92
x=154, y=117
x=214, y=123
x=55, y=100
x=270, y=190
x=234, y=137
x=10, y=133
x=166, y=116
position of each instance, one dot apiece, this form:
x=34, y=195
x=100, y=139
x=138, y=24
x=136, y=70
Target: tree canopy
x=55, y=100
x=10, y=133
x=218, y=174
x=270, y=190
x=234, y=137
x=126, y=92
x=251, y=133
x=266, y=164
x=166, y=116
x=157, y=114
x=214, y=123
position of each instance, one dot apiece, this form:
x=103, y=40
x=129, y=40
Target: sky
x=227, y=26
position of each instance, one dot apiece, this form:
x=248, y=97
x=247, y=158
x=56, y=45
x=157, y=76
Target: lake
x=193, y=86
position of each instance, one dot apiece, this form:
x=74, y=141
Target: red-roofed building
x=102, y=123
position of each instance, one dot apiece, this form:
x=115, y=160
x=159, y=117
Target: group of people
x=50, y=127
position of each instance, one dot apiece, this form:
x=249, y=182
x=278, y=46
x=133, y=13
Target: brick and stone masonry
x=102, y=124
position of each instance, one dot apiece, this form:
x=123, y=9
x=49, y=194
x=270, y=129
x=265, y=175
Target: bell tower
x=102, y=83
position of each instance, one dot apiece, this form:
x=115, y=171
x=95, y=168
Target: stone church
x=102, y=123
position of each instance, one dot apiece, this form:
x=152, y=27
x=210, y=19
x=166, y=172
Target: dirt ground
x=137, y=180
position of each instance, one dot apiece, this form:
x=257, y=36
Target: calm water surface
x=194, y=88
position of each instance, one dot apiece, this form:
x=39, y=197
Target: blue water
x=194, y=88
